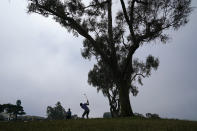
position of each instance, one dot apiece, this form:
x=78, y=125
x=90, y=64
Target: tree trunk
x=114, y=111
x=16, y=117
x=125, y=105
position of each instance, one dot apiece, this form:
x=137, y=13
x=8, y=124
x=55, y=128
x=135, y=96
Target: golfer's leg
x=83, y=114
x=87, y=113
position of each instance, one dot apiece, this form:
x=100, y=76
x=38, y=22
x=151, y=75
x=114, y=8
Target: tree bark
x=125, y=105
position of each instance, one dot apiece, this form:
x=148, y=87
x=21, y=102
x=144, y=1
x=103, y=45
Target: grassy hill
x=119, y=124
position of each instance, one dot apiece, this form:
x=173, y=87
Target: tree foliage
x=100, y=77
x=14, y=110
x=18, y=109
x=113, y=39
x=1, y=108
x=58, y=112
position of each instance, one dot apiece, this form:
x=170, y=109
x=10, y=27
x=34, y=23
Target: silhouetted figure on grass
x=68, y=114
x=86, y=109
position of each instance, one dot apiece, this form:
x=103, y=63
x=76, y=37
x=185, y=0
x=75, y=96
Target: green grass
x=119, y=124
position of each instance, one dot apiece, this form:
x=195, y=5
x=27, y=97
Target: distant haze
x=41, y=63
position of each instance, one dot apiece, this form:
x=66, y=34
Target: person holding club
x=84, y=106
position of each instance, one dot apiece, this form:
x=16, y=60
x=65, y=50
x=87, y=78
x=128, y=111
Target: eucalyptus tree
x=100, y=77
x=113, y=38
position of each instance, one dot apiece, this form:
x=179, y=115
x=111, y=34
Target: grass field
x=119, y=124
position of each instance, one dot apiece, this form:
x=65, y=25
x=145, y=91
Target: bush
x=138, y=115
x=107, y=115
x=2, y=118
x=152, y=116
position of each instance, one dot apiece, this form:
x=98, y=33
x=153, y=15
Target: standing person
x=86, y=109
x=68, y=114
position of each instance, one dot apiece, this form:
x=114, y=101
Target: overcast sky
x=41, y=63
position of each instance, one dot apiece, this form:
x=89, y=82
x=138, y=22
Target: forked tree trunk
x=125, y=105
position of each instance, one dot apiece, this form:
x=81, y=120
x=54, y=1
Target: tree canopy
x=112, y=36
x=58, y=112
x=13, y=109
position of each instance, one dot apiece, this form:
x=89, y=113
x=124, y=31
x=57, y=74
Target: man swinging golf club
x=85, y=107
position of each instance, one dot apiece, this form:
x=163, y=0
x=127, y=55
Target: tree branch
x=131, y=11
x=128, y=20
x=128, y=61
x=110, y=32
x=138, y=74
x=74, y=25
x=97, y=4
x=150, y=34
x=94, y=28
x=110, y=35
x=142, y=2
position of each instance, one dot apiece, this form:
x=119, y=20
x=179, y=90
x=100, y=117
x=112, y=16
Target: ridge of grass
x=117, y=124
